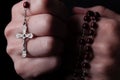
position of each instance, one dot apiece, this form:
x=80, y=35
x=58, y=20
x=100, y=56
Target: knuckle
x=52, y=46
x=47, y=20
x=53, y=25
x=42, y=23
x=15, y=8
x=48, y=44
x=103, y=48
x=54, y=7
x=47, y=65
x=10, y=49
x=39, y=6
x=26, y=72
x=100, y=8
x=8, y=30
x=19, y=70
x=100, y=67
x=109, y=24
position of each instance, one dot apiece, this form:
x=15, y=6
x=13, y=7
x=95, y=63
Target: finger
x=99, y=67
x=37, y=47
x=45, y=46
x=106, y=38
x=106, y=33
x=53, y=7
x=39, y=25
x=47, y=25
x=104, y=45
x=102, y=10
x=34, y=66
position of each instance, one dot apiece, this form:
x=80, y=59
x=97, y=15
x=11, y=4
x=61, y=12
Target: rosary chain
x=88, y=32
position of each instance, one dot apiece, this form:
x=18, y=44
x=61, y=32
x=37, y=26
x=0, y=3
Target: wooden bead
x=91, y=32
x=82, y=41
x=94, y=25
x=88, y=49
x=87, y=18
x=26, y=4
x=89, y=40
x=90, y=13
x=85, y=25
x=88, y=56
x=86, y=65
x=97, y=14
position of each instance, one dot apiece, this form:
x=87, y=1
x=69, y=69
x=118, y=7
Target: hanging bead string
x=25, y=35
x=86, y=39
x=26, y=5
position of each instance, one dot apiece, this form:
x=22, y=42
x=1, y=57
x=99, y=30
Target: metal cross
x=24, y=35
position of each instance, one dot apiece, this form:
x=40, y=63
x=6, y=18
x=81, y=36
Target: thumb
x=104, y=12
x=79, y=10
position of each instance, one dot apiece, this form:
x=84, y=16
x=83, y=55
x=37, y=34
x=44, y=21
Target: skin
x=105, y=64
x=48, y=43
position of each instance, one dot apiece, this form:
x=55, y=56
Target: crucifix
x=24, y=35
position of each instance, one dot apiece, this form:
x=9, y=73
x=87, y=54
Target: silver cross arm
x=24, y=35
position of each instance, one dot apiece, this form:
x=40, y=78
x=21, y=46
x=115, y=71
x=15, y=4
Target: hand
x=106, y=46
x=46, y=21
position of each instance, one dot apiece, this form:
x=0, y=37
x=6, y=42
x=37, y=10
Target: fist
x=46, y=20
x=106, y=62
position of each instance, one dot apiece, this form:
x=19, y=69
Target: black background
x=7, y=71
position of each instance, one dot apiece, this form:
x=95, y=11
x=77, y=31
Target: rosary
x=88, y=32
x=25, y=35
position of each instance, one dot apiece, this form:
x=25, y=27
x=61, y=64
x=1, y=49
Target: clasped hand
x=47, y=20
